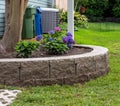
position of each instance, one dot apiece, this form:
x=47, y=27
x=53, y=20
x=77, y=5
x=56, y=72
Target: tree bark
x=15, y=10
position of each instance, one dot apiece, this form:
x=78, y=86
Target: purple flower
x=70, y=40
x=69, y=34
x=51, y=32
x=57, y=29
x=39, y=37
x=65, y=39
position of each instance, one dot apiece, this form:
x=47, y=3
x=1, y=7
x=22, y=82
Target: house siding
x=2, y=15
x=34, y=3
x=61, y=4
x=41, y=3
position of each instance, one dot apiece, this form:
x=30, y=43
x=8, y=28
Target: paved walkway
x=7, y=96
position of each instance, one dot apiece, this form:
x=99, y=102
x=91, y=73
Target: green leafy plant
x=53, y=42
x=79, y=19
x=63, y=16
x=56, y=47
x=25, y=48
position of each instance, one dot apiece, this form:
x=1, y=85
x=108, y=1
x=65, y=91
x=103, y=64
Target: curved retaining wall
x=55, y=70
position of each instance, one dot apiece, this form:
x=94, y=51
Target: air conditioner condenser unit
x=50, y=19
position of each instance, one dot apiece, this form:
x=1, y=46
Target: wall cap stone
x=97, y=50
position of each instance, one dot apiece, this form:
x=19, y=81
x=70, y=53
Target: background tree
x=13, y=24
x=114, y=8
x=96, y=8
x=79, y=3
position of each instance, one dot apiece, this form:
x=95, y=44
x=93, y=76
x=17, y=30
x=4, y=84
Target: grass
x=106, y=26
x=104, y=91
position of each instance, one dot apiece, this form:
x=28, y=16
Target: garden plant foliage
x=25, y=48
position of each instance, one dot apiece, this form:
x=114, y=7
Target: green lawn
x=104, y=91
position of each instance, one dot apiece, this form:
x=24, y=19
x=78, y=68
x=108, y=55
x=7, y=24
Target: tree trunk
x=13, y=24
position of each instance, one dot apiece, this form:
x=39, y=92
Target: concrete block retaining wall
x=55, y=70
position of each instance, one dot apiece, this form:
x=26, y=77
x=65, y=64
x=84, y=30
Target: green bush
x=25, y=48
x=54, y=34
x=79, y=20
x=53, y=42
x=63, y=16
x=56, y=47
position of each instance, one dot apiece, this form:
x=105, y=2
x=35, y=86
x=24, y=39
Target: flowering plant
x=54, y=43
x=38, y=38
x=68, y=39
x=54, y=34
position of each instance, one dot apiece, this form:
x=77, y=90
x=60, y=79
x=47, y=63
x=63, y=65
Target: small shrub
x=63, y=16
x=63, y=26
x=79, y=20
x=56, y=47
x=53, y=42
x=53, y=35
x=25, y=48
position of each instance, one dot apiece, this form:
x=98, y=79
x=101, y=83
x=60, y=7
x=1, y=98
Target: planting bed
x=70, y=69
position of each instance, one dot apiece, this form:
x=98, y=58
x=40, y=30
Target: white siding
x=41, y=3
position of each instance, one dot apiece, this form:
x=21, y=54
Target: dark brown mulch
x=42, y=53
